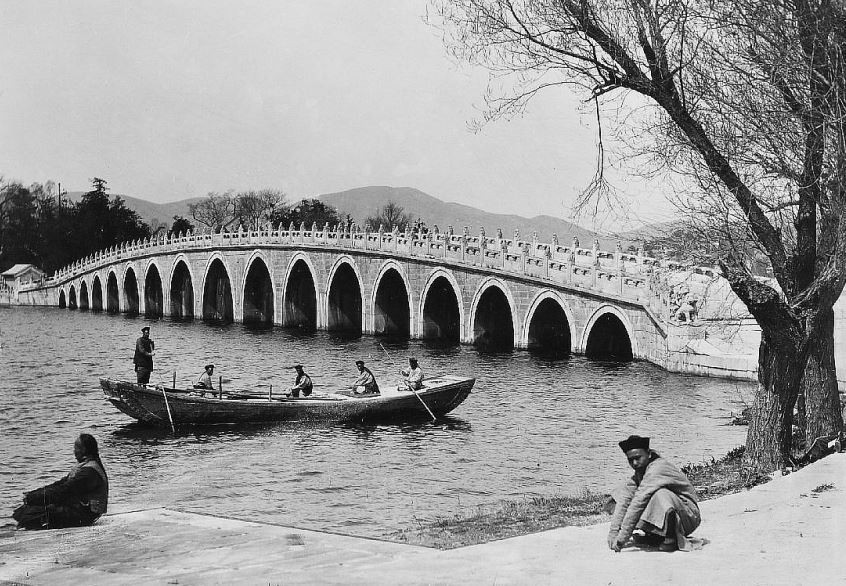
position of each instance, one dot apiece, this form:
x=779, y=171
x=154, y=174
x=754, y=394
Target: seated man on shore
x=77, y=500
x=366, y=382
x=204, y=382
x=302, y=383
x=413, y=375
x=658, y=499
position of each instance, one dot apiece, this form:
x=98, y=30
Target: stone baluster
x=483, y=246
x=395, y=237
x=618, y=251
x=503, y=248
x=524, y=254
x=381, y=235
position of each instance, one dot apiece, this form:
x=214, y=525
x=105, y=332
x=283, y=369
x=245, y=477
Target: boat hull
x=147, y=404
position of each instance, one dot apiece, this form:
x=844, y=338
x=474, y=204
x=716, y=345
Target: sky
x=170, y=100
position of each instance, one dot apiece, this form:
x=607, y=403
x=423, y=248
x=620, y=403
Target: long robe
x=646, y=499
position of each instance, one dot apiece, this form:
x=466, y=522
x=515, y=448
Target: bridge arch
x=217, y=291
x=391, y=301
x=72, y=297
x=63, y=303
x=490, y=326
x=181, y=289
x=96, y=294
x=300, y=308
x=259, y=292
x=344, y=306
x=131, y=303
x=83, y=295
x=608, y=333
x=441, y=308
x=153, y=291
x=112, y=293
x=548, y=326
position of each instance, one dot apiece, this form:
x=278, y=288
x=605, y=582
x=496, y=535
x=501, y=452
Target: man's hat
x=208, y=366
x=298, y=366
x=633, y=442
x=361, y=362
x=145, y=329
x=412, y=359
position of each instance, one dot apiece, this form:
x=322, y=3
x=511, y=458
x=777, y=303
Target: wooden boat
x=150, y=404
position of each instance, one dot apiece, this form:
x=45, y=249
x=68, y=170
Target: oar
x=434, y=419
x=167, y=406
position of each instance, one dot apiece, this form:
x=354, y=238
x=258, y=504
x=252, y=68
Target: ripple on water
x=530, y=427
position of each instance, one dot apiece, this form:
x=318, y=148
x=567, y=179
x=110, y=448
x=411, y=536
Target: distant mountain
x=150, y=212
x=362, y=202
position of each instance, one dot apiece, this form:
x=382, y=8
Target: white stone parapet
x=610, y=272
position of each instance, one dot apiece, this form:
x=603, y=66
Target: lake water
x=530, y=427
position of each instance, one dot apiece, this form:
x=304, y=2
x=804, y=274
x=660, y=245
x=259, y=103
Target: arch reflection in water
x=609, y=339
x=392, y=313
x=112, y=294
x=493, y=329
x=153, y=304
x=549, y=330
x=130, y=292
x=258, y=294
x=97, y=294
x=441, y=315
x=217, y=296
x=300, y=309
x=83, y=295
x=181, y=293
x=344, y=311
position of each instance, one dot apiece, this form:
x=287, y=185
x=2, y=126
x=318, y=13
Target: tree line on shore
x=38, y=225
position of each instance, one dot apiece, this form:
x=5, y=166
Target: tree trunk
x=770, y=436
x=819, y=383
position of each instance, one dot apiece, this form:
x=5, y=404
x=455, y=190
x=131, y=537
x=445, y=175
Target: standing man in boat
x=366, y=382
x=658, y=499
x=302, y=383
x=144, y=351
x=413, y=375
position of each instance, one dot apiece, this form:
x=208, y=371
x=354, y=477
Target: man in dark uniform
x=144, y=350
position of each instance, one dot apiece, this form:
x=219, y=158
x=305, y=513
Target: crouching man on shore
x=658, y=499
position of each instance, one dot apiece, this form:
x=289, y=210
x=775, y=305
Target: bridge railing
x=615, y=272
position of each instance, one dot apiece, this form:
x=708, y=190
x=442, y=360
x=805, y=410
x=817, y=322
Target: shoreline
x=515, y=518
x=787, y=531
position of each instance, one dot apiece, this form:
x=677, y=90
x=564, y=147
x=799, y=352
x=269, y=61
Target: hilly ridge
x=362, y=202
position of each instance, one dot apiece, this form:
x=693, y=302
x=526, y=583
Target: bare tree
x=253, y=208
x=389, y=216
x=217, y=211
x=744, y=98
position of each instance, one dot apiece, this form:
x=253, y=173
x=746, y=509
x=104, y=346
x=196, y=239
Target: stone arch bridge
x=492, y=291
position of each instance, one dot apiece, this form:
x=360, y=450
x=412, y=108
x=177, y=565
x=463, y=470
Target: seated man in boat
x=413, y=375
x=658, y=499
x=366, y=382
x=302, y=383
x=204, y=382
x=76, y=500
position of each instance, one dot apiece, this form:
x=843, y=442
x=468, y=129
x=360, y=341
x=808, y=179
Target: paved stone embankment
x=789, y=531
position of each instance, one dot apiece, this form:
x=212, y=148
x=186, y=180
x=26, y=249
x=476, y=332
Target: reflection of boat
x=150, y=404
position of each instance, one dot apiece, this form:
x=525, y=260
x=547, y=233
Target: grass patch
x=533, y=514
